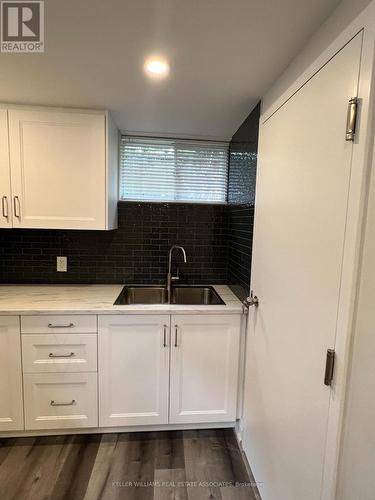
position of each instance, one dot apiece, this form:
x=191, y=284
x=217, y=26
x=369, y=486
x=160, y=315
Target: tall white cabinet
x=63, y=166
x=11, y=400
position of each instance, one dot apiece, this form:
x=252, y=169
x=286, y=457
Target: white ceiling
x=224, y=54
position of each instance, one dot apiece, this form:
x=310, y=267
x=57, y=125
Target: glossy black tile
x=134, y=253
x=241, y=197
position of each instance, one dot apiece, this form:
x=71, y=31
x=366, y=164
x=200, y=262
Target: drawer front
x=60, y=401
x=62, y=352
x=59, y=323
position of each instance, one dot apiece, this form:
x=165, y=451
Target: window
x=173, y=170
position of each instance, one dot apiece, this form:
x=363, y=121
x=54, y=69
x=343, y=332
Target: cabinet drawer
x=60, y=401
x=62, y=352
x=59, y=323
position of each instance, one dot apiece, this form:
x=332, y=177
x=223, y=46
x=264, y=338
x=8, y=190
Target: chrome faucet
x=171, y=278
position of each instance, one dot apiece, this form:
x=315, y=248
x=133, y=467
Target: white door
x=133, y=369
x=11, y=401
x=204, y=368
x=58, y=169
x=5, y=195
x=301, y=207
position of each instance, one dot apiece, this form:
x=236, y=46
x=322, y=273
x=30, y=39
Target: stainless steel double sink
x=183, y=295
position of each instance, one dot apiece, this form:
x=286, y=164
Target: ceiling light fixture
x=156, y=67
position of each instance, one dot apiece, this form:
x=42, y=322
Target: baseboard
x=108, y=430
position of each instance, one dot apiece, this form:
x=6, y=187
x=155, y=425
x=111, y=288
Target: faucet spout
x=171, y=278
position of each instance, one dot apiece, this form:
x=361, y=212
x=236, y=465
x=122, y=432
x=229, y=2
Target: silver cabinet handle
x=62, y=403
x=69, y=325
x=4, y=204
x=165, y=336
x=70, y=355
x=17, y=207
x=176, y=335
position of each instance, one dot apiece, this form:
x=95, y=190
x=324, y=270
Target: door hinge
x=351, y=119
x=330, y=366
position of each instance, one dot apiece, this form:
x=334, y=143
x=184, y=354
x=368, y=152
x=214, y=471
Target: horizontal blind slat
x=173, y=170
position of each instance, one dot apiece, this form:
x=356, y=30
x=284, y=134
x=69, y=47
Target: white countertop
x=96, y=299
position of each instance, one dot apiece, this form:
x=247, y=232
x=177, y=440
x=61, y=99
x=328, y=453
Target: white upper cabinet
x=11, y=403
x=63, y=168
x=5, y=194
x=204, y=368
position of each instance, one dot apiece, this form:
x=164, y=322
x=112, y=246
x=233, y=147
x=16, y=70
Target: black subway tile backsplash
x=243, y=155
x=137, y=252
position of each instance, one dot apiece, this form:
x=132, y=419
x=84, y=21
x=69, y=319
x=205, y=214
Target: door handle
x=176, y=335
x=251, y=301
x=4, y=204
x=165, y=336
x=17, y=207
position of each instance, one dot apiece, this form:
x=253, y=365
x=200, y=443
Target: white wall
x=344, y=14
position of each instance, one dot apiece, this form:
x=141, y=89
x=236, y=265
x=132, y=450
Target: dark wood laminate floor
x=180, y=465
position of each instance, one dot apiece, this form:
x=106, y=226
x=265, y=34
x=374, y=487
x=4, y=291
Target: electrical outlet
x=61, y=264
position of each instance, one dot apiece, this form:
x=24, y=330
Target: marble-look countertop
x=96, y=299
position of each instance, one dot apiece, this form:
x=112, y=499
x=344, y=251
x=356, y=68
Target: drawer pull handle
x=69, y=403
x=69, y=325
x=70, y=355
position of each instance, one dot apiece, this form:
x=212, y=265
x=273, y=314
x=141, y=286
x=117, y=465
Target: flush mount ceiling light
x=156, y=67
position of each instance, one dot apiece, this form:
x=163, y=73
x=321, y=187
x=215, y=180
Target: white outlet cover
x=61, y=264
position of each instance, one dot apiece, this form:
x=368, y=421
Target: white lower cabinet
x=137, y=385
x=60, y=400
x=204, y=368
x=133, y=369
x=11, y=404
x=142, y=369
x=60, y=380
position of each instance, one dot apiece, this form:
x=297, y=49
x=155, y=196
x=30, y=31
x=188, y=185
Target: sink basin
x=196, y=295
x=142, y=295
x=183, y=295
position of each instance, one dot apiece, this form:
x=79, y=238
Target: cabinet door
x=11, y=404
x=204, y=368
x=58, y=169
x=5, y=196
x=133, y=370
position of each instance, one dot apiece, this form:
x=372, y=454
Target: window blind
x=173, y=170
